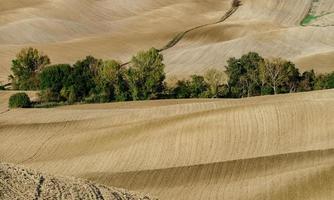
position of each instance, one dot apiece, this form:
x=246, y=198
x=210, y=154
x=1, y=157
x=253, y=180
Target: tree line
x=93, y=80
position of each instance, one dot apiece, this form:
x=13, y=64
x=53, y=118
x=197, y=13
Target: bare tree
x=274, y=73
x=215, y=79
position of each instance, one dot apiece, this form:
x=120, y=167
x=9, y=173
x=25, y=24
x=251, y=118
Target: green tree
x=113, y=80
x=243, y=75
x=53, y=79
x=182, y=90
x=146, y=75
x=198, y=86
x=83, y=76
x=19, y=100
x=324, y=81
x=330, y=81
x=25, y=67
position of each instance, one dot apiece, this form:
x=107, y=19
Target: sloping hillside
x=262, y=148
x=71, y=29
x=20, y=183
x=271, y=147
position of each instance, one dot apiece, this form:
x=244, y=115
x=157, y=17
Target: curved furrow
x=273, y=176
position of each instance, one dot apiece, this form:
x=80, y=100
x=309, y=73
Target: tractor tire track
x=234, y=7
x=44, y=144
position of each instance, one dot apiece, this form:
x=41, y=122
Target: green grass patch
x=308, y=19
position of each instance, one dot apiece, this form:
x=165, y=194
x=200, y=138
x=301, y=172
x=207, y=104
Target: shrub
x=267, y=90
x=19, y=100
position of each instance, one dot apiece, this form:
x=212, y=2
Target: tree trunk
x=275, y=91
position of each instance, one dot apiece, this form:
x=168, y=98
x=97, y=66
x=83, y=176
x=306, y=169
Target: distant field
x=271, y=147
x=118, y=29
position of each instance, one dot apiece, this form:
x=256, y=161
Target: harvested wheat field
x=271, y=147
x=67, y=30
x=261, y=148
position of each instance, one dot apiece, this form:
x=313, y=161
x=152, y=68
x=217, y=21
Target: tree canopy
x=53, y=79
x=280, y=75
x=25, y=67
x=95, y=80
x=146, y=75
x=243, y=74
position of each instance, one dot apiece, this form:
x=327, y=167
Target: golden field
x=261, y=148
x=271, y=147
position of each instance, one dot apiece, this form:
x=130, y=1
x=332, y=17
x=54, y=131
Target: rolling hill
x=260, y=148
x=271, y=147
x=117, y=29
